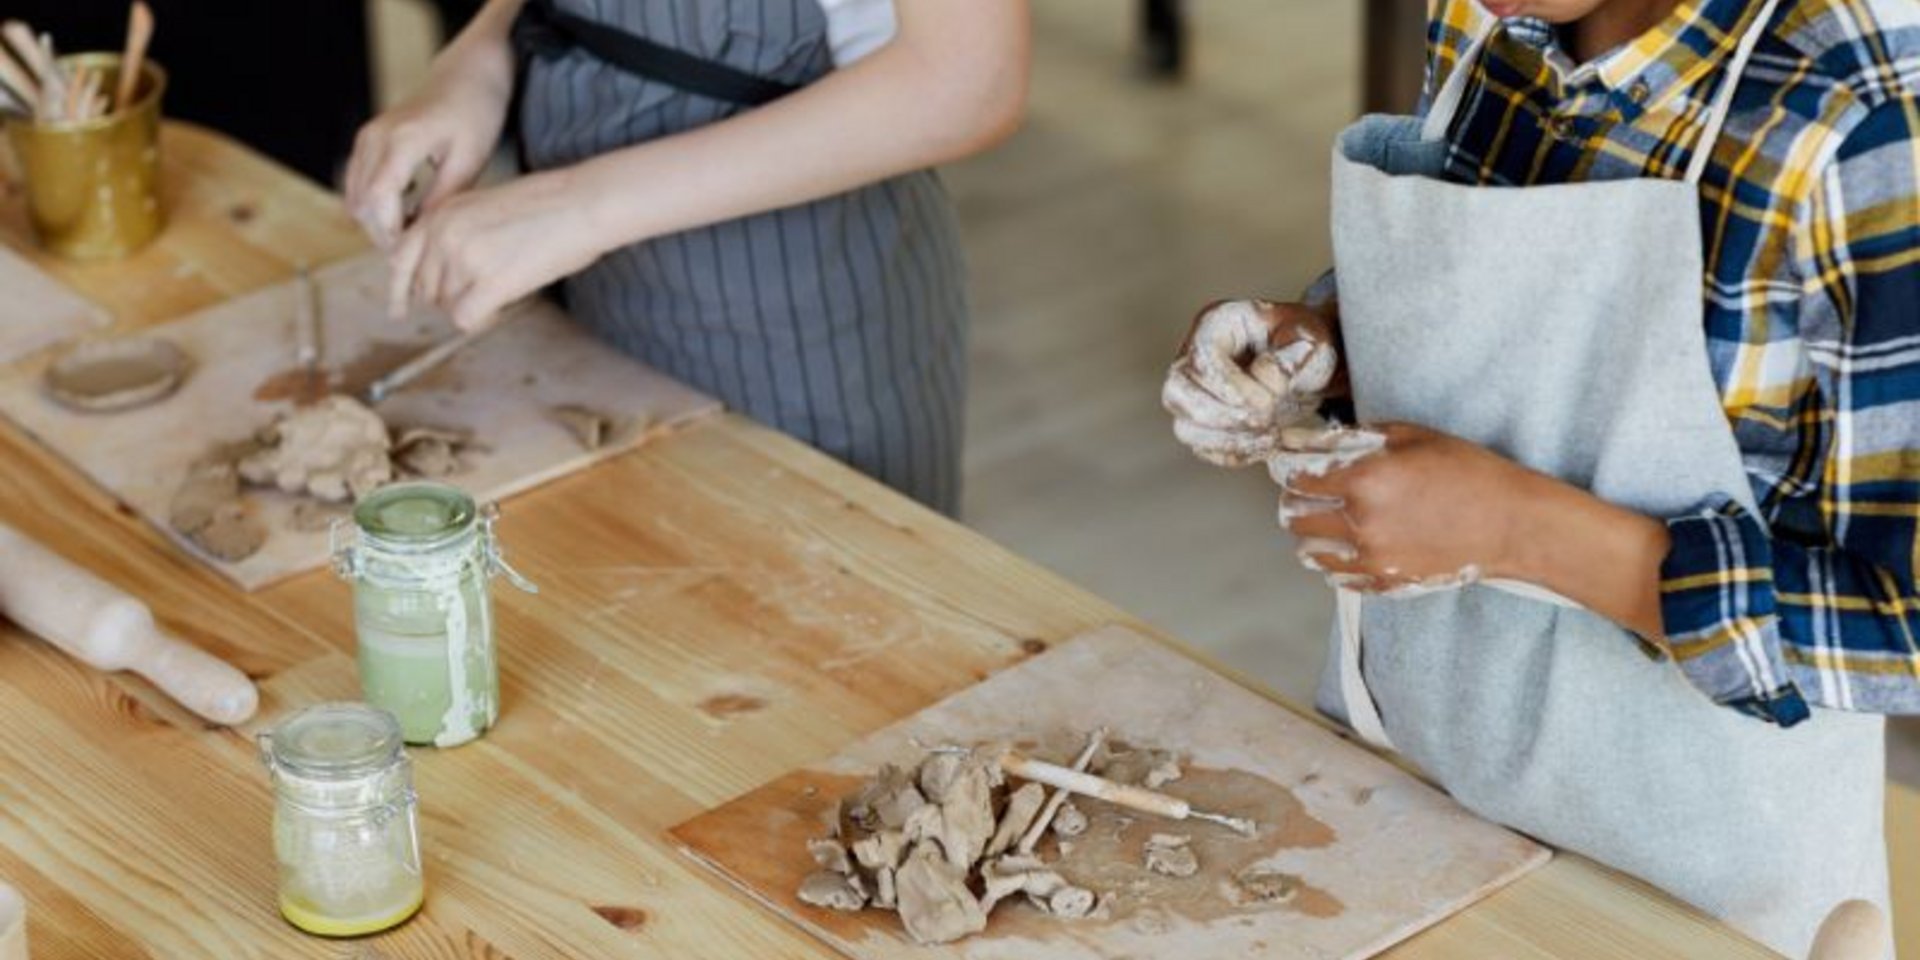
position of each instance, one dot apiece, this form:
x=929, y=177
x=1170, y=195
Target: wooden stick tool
x=432, y=357
x=1118, y=794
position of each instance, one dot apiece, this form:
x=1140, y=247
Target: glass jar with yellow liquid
x=345, y=823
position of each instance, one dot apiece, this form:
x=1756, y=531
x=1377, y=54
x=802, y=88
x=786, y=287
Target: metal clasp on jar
x=496, y=558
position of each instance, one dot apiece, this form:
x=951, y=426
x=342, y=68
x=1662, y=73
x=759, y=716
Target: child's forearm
x=952, y=83
x=485, y=43
x=1605, y=557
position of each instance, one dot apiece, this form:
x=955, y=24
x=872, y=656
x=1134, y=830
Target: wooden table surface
x=716, y=609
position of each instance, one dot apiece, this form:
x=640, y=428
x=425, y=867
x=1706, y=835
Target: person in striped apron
x=738, y=193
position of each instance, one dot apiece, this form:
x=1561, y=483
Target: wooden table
x=716, y=609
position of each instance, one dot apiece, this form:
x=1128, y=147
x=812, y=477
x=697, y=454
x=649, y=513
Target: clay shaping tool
x=432, y=357
x=306, y=325
x=26, y=77
x=1118, y=794
x=139, y=32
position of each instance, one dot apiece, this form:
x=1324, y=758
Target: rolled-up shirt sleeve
x=1815, y=602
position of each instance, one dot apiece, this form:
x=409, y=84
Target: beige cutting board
x=36, y=310
x=1379, y=855
x=502, y=388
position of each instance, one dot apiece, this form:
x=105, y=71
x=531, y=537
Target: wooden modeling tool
x=1100, y=788
x=1119, y=794
x=308, y=342
x=428, y=359
x=139, y=33
x=108, y=629
x=20, y=84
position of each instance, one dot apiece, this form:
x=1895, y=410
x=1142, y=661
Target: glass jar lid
x=334, y=741
x=415, y=514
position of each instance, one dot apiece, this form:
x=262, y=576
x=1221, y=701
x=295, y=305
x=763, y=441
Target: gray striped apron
x=1563, y=327
x=840, y=322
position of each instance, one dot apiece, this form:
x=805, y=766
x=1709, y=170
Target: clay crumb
x=1261, y=885
x=835, y=891
x=208, y=510
x=334, y=450
x=593, y=428
x=1069, y=821
x=431, y=452
x=1170, y=855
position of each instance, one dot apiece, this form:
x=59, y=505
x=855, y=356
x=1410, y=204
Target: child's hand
x=1247, y=369
x=1397, y=507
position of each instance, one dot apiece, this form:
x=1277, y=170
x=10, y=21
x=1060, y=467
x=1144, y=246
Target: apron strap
x=545, y=30
x=1723, y=99
x=1363, y=715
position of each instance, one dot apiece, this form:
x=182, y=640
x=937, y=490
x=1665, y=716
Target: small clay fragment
x=592, y=428
x=881, y=851
x=1071, y=902
x=1170, y=855
x=830, y=855
x=1261, y=885
x=1069, y=821
x=886, y=801
x=430, y=452
x=1152, y=769
x=883, y=892
x=208, y=510
x=934, y=902
x=835, y=891
x=101, y=376
x=965, y=796
x=1022, y=807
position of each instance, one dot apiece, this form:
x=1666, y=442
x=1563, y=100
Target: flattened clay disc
x=105, y=375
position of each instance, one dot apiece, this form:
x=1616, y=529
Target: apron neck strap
x=1446, y=103
x=1723, y=98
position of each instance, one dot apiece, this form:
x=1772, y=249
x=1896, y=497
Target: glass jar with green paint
x=420, y=561
x=345, y=822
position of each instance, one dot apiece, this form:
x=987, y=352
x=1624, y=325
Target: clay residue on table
x=725, y=706
x=300, y=385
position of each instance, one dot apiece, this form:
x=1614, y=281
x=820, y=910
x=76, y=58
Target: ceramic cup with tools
x=93, y=185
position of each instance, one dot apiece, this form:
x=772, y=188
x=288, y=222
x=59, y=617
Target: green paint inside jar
x=423, y=614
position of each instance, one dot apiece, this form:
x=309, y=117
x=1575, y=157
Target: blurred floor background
x=1094, y=235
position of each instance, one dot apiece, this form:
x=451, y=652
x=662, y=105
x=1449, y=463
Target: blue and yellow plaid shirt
x=1812, y=216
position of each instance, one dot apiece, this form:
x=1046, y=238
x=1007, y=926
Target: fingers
x=1226, y=448
x=1309, y=454
x=406, y=262
x=1184, y=398
x=1229, y=336
x=380, y=205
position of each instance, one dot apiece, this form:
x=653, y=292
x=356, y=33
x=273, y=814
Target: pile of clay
x=944, y=844
x=329, y=453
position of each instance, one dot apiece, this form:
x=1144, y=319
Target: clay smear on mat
x=105, y=375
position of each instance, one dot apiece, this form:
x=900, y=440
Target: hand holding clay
x=448, y=129
x=1400, y=509
x=1249, y=368
x=107, y=629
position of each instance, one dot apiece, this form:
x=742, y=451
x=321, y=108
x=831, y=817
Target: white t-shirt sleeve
x=856, y=28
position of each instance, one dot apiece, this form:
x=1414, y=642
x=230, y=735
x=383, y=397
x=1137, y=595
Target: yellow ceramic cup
x=93, y=186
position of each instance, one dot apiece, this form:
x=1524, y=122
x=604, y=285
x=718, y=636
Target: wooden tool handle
x=106, y=628
x=430, y=358
x=1855, y=930
x=139, y=32
x=1088, y=785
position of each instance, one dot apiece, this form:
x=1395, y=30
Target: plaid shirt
x=1812, y=215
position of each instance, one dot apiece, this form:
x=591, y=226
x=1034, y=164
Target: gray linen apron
x=841, y=322
x=1562, y=326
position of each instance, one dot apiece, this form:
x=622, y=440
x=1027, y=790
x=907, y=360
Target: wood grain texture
x=1386, y=854
x=686, y=582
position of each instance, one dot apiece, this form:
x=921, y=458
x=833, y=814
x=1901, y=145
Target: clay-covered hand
x=449, y=127
x=1248, y=369
x=481, y=250
x=1400, y=509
